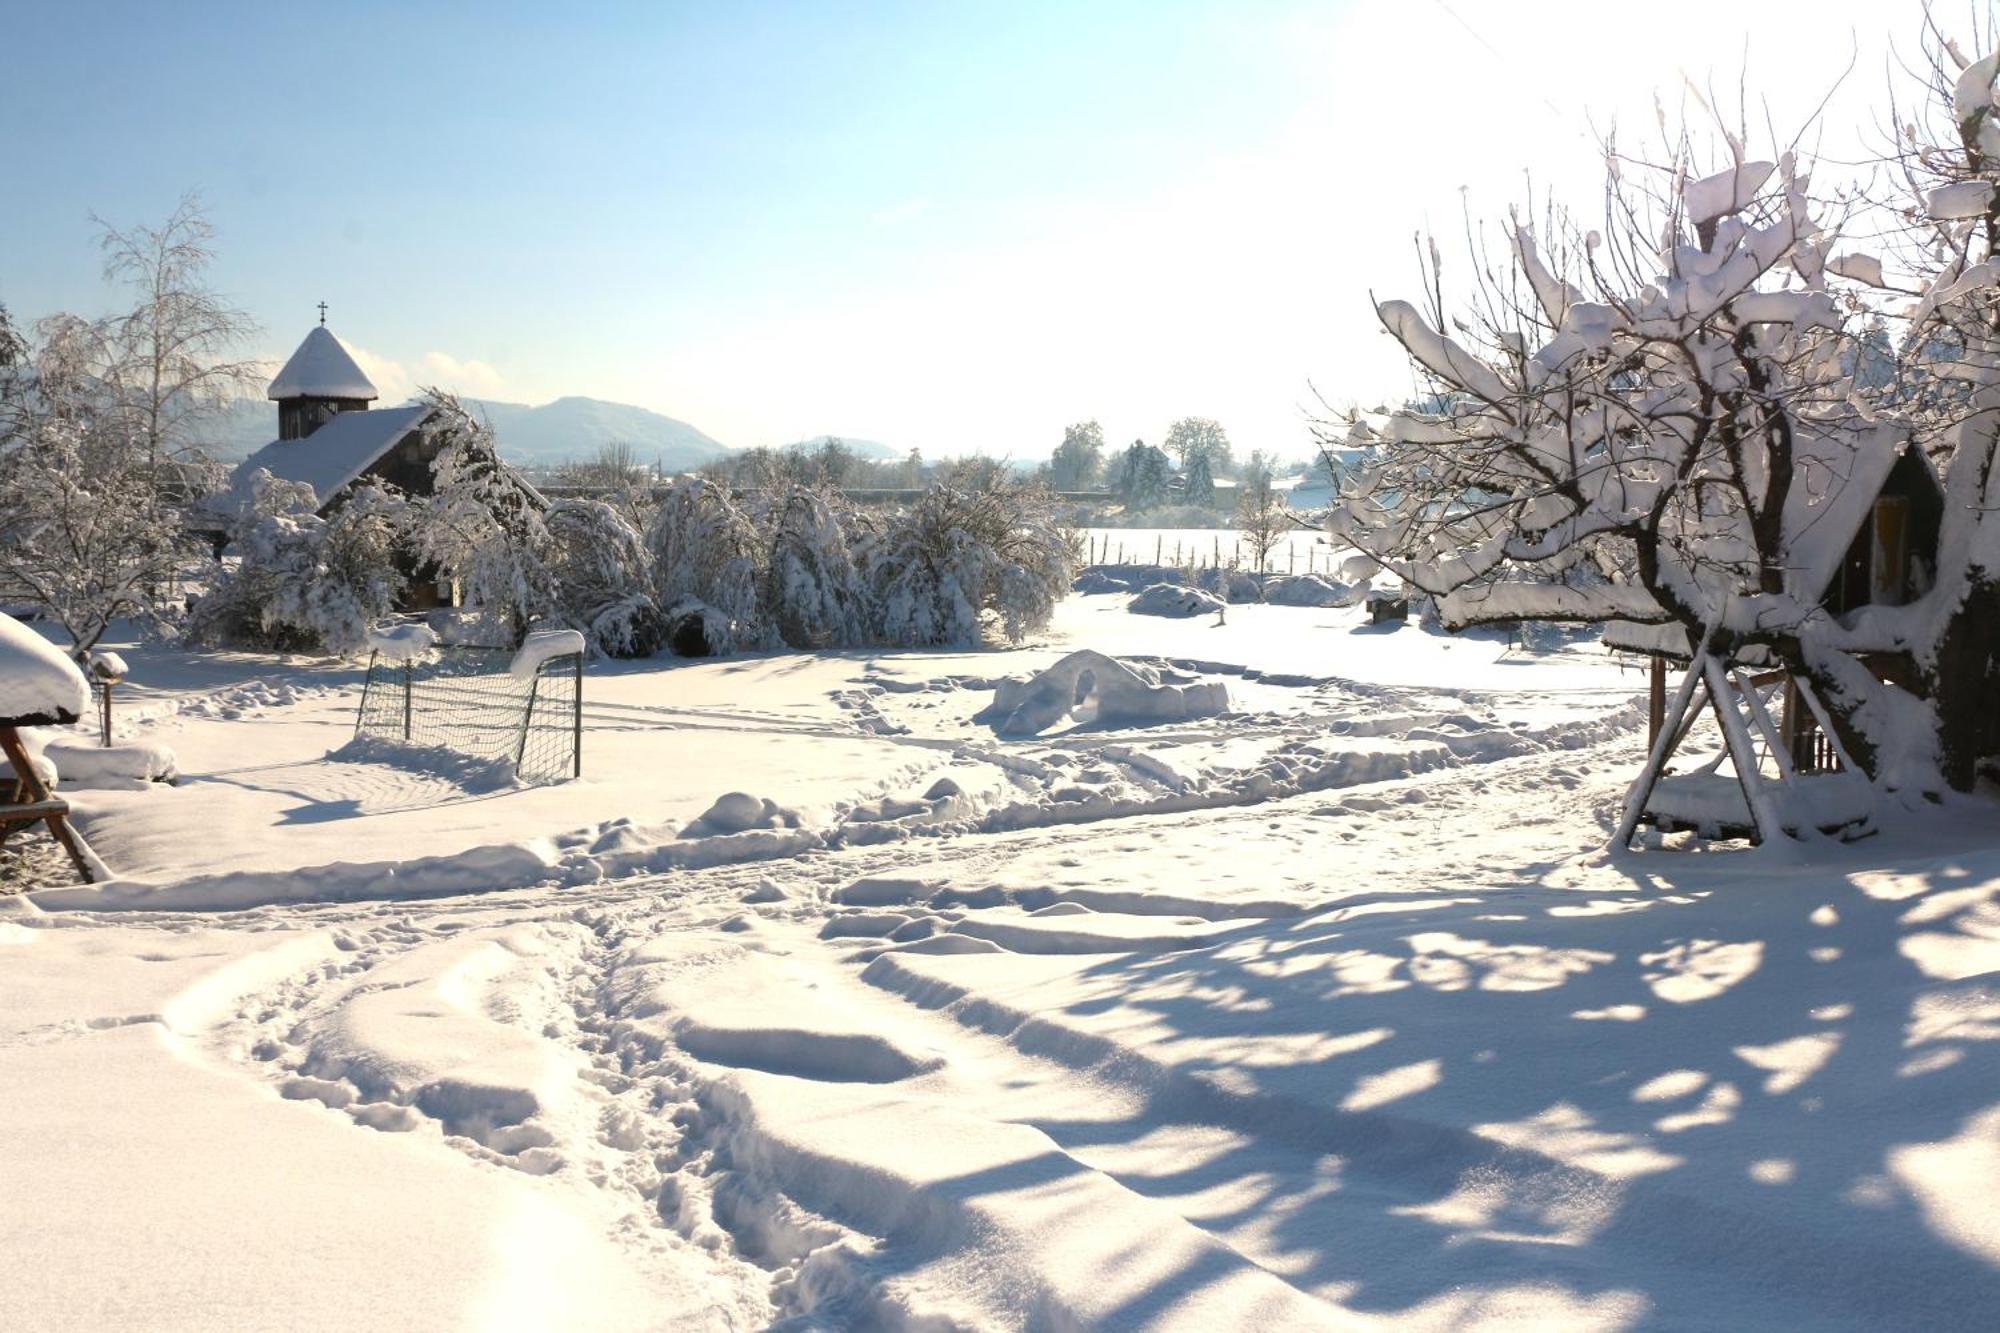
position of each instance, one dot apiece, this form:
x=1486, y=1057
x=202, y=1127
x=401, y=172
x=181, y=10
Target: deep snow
x=1328, y=1011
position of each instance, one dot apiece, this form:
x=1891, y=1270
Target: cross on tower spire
x=322, y=314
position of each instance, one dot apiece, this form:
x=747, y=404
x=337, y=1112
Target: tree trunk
x=1965, y=683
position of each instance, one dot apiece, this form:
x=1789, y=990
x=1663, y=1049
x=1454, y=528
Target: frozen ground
x=1326, y=1012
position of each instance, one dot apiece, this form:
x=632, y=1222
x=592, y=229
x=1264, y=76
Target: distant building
x=329, y=438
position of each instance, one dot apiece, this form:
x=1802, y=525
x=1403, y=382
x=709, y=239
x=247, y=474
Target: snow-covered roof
x=38, y=685
x=338, y=452
x=1832, y=494
x=321, y=368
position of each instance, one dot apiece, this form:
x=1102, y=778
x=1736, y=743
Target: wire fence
x=466, y=700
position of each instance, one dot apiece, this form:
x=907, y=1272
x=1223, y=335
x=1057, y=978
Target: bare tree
x=1079, y=460
x=1647, y=423
x=1260, y=510
x=1191, y=437
x=170, y=360
x=85, y=530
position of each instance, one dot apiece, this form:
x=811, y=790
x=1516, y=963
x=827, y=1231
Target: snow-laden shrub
x=958, y=561
x=707, y=549
x=483, y=525
x=813, y=593
x=603, y=578
x=302, y=581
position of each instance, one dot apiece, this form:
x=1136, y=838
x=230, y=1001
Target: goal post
x=486, y=703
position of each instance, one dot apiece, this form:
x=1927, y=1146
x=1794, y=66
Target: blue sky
x=951, y=225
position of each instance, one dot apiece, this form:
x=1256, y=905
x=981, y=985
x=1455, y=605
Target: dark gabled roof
x=330, y=458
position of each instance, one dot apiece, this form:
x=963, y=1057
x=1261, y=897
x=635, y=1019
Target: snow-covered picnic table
x=38, y=687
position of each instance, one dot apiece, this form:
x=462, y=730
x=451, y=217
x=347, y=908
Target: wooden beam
x=52, y=811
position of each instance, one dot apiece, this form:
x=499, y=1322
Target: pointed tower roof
x=321, y=368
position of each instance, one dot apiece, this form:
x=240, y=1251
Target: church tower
x=319, y=381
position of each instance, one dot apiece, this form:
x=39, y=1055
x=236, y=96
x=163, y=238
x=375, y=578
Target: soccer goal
x=522, y=707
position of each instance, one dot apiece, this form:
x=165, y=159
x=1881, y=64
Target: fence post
x=527, y=721
x=367, y=684
x=576, y=723
x=406, y=700
x=1159, y=544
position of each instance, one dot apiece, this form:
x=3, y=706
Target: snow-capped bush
x=813, y=593
x=706, y=549
x=483, y=525
x=603, y=578
x=302, y=581
x=958, y=560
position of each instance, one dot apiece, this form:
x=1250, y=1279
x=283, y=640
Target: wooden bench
x=32, y=803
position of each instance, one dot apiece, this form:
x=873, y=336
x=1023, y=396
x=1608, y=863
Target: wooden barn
x=330, y=437
x=1862, y=529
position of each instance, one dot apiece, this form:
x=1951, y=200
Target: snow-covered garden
x=1325, y=1009
x=1560, y=891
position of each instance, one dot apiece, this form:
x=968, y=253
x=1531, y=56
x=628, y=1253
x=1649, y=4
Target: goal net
x=524, y=708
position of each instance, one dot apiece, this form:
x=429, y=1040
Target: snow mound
x=1313, y=590
x=401, y=643
x=1097, y=581
x=739, y=812
x=544, y=646
x=130, y=766
x=1089, y=687
x=108, y=666
x=1170, y=599
x=884, y=890
x=474, y=870
x=469, y=772
x=1084, y=931
x=33, y=742
x=1231, y=585
x=38, y=685
x=733, y=1006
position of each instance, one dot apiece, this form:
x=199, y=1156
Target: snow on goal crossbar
x=524, y=708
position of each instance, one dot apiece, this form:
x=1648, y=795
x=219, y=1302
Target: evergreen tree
x=1142, y=476
x=1200, y=485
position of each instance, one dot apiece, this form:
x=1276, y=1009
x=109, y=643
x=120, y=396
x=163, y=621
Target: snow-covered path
x=1325, y=1015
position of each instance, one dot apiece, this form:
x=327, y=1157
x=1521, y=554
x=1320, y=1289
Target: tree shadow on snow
x=1699, y=1099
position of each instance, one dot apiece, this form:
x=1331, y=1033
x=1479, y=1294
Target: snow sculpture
x=1089, y=687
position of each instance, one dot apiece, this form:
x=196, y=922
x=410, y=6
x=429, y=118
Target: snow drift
x=1090, y=687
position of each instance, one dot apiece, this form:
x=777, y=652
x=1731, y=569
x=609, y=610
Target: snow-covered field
x=1327, y=1011
x=1301, y=550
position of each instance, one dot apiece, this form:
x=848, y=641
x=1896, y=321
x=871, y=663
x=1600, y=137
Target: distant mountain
x=552, y=433
x=568, y=428
x=860, y=448
x=575, y=428
x=248, y=425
